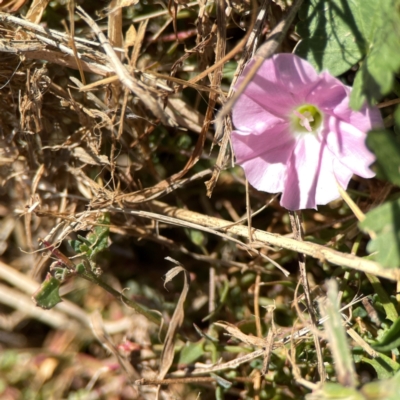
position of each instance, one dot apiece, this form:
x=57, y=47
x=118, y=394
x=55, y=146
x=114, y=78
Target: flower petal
x=366, y=119
x=264, y=160
x=326, y=84
x=291, y=72
x=251, y=146
x=342, y=173
x=331, y=173
x=265, y=176
x=304, y=166
x=249, y=116
x=347, y=143
x=309, y=179
x=265, y=91
x=279, y=84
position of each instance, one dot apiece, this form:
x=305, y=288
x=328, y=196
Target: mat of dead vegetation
x=119, y=196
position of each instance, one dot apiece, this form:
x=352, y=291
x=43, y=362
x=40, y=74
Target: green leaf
x=387, y=389
x=377, y=73
x=96, y=240
x=76, y=245
x=8, y=360
x=391, y=339
x=397, y=115
x=384, y=366
x=336, y=34
x=99, y=236
x=47, y=295
x=191, y=352
x=384, y=223
x=221, y=381
x=386, y=147
x=229, y=70
x=205, y=335
x=334, y=391
x=80, y=268
x=390, y=309
x=197, y=237
x=337, y=338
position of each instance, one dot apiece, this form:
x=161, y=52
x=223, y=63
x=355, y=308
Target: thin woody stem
x=274, y=39
x=151, y=316
x=298, y=233
x=90, y=276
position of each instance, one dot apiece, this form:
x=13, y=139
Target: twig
x=126, y=79
x=174, y=381
x=295, y=220
x=257, y=304
x=174, y=221
x=54, y=318
x=251, y=45
x=228, y=56
x=257, y=342
x=90, y=276
x=314, y=250
x=186, y=218
x=269, y=340
x=275, y=38
x=265, y=51
x=151, y=316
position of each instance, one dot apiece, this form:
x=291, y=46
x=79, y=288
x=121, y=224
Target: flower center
x=306, y=118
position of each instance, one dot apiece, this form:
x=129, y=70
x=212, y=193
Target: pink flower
x=296, y=134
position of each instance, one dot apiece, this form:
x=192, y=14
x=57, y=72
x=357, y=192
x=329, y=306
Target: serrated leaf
x=84, y=240
x=47, y=296
x=391, y=339
x=81, y=245
x=383, y=221
x=386, y=147
x=76, y=245
x=96, y=240
x=80, y=268
x=336, y=34
x=377, y=73
x=84, y=248
x=99, y=236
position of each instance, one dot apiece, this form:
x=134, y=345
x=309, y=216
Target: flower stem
x=90, y=276
x=298, y=233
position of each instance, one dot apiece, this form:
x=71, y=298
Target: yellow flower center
x=306, y=118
